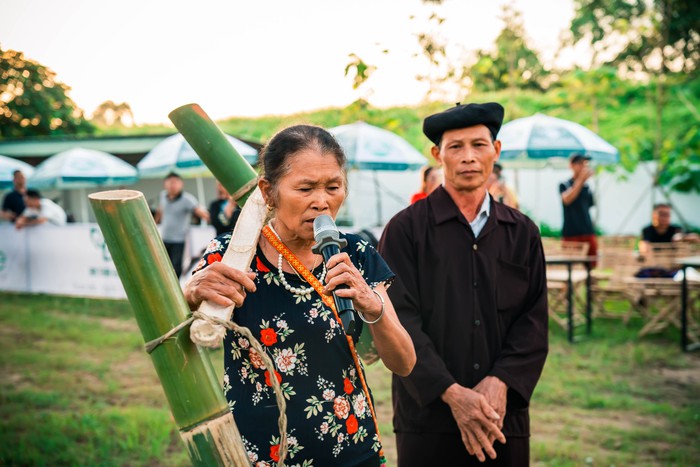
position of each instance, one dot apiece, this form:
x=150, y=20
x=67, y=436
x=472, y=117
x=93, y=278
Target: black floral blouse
x=328, y=418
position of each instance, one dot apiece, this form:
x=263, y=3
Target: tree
x=659, y=39
x=591, y=90
x=110, y=113
x=33, y=102
x=511, y=64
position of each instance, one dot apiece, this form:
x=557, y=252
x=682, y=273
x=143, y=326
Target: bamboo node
x=230, y=325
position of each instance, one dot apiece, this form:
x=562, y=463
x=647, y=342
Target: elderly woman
x=330, y=415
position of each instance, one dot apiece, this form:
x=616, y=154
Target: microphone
x=329, y=243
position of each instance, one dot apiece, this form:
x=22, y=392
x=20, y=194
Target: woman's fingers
x=221, y=284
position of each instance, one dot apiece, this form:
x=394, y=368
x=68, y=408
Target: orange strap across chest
x=329, y=302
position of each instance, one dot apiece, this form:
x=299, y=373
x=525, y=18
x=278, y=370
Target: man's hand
x=585, y=174
x=475, y=418
x=495, y=391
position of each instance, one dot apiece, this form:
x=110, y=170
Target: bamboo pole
x=190, y=384
x=240, y=180
x=217, y=153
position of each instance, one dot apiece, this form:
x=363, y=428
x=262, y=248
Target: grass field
x=77, y=388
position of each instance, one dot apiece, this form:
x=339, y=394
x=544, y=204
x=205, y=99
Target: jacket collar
x=445, y=209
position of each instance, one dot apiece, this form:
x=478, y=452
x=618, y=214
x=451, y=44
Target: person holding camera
x=577, y=200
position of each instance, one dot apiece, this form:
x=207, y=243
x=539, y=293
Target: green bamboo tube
x=190, y=384
x=217, y=153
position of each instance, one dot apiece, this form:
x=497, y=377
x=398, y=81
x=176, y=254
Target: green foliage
x=67, y=398
x=33, y=102
x=511, y=64
x=110, y=113
x=361, y=70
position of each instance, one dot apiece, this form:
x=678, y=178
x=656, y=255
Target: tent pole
x=84, y=216
x=378, y=197
x=200, y=195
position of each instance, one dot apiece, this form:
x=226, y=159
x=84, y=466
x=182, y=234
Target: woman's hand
x=342, y=271
x=220, y=284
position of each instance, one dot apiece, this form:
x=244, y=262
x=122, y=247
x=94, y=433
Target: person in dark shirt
x=13, y=203
x=471, y=291
x=577, y=200
x=661, y=230
x=223, y=211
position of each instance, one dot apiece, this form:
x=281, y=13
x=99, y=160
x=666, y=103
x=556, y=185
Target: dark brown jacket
x=474, y=308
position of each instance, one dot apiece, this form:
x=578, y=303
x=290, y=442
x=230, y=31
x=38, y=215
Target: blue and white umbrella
x=541, y=137
x=8, y=165
x=368, y=147
x=372, y=148
x=174, y=154
x=81, y=168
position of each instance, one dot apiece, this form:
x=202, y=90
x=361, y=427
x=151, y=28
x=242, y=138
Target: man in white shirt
x=39, y=211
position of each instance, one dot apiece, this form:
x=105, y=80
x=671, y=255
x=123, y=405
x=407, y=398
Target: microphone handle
x=343, y=305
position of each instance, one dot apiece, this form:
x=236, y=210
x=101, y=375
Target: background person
x=223, y=211
x=174, y=213
x=577, y=200
x=498, y=188
x=471, y=291
x=329, y=416
x=40, y=210
x=661, y=230
x=431, y=179
x=13, y=202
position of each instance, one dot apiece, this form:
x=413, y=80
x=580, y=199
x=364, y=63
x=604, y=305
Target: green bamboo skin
x=217, y=153
x=190, y=384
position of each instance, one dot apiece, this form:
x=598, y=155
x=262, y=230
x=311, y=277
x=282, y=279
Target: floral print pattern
x=328, y=417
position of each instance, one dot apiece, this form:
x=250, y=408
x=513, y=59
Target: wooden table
x=689, y=262
x=569, y=262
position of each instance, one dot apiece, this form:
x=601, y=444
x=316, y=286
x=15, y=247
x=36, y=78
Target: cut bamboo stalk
x=190, y=384
x=240, y=180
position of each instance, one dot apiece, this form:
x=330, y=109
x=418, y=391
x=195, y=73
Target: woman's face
x=313, y=185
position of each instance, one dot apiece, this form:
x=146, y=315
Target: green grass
x=78, y=389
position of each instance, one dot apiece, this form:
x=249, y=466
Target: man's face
x=31, y=202
x=661, y=217
x=19, y=180
x=173, y=185
x=467, y=156
x=578, y=167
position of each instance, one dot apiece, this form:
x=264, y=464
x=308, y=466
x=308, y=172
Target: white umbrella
x=174, y=154
x=540, y=138
x=80, y=168
x=8, y=165
x=372, y=148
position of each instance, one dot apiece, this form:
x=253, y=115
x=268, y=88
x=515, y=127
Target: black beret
x=489, y=114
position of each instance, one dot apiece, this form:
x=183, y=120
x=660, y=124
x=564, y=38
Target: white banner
x=14, y=270
x=66, y=260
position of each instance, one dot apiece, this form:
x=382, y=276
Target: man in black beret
x=470, y=288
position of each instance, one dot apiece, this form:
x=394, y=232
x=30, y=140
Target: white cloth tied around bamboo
x=238, y=255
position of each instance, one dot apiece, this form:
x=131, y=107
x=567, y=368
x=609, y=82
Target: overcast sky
x=250, y=58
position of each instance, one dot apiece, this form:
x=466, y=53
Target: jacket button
x=476, y=366
x=474, y=247
x=477, y=322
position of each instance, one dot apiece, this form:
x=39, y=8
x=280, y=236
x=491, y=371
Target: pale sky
x=251, y=58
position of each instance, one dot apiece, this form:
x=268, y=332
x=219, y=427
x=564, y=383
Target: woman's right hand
x=220, y=284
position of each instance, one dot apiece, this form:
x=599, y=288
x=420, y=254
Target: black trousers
x=426, y=449
x=175, y=252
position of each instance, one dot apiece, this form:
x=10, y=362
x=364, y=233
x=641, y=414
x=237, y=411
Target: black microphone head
x=325, y=227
